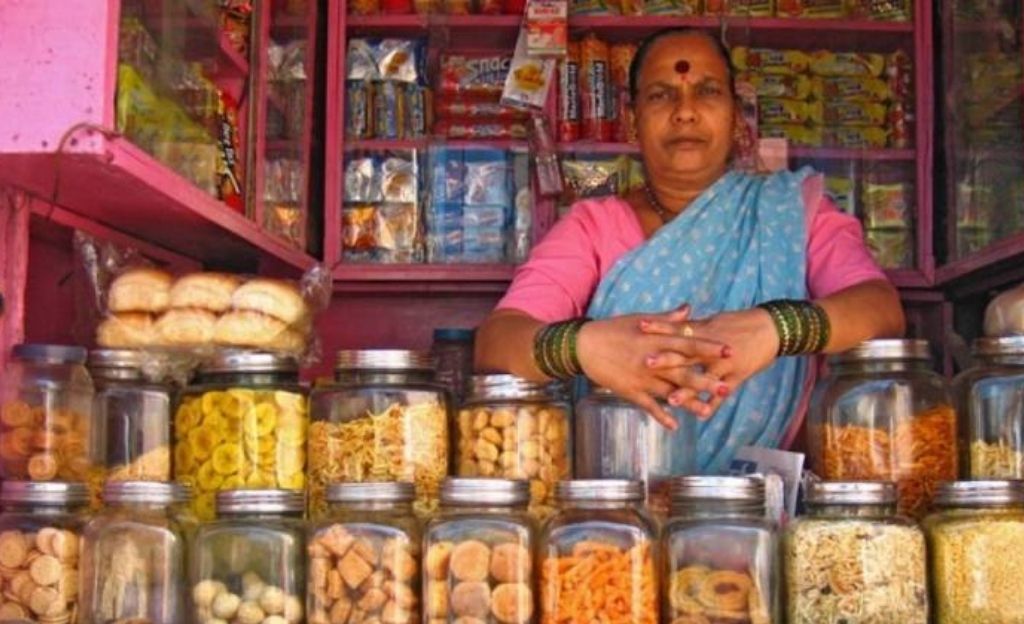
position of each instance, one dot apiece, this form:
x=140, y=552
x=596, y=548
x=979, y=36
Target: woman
x=706, y=286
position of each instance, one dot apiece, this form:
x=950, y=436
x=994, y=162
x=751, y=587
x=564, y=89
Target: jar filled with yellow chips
x=383, y=419
x=241, y=425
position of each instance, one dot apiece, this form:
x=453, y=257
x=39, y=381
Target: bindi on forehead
x=682, y=67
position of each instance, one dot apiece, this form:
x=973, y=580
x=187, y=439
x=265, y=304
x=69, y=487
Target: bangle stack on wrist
x=803, y=326
x=554, y=349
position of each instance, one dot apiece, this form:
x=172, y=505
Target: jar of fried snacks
x=478, y=554
x=364, y=557
x=133, y=557
x=248, y=566
x=511, y=428
x=596, y=556
x=719, y=553
x=46, y=415
x=133, y=416
x=976, y=546
x=242, y=425
x=852, y=560
x=618, y=440
x=384, y=419
x=883, y=414
x=40, y=529
x=988, y=401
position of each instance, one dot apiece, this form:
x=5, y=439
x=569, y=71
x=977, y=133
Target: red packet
x=547, y=28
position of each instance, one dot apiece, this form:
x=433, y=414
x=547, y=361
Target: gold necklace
x=662, y=212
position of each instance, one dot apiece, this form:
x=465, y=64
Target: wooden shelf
x=806, y=153
x=1004, y=254
x=423, y=278
x=381, y=145
x=907, y=278
x=277, y=146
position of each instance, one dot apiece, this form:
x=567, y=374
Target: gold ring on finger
x=687, y=331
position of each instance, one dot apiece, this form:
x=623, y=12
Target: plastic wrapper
x=284, y=212
x=487, y=178
x=547, y=28
x=597, y=177
x=363, y=7
x=842, y=190
x=670, y=7
x=781, y=111
x=361, y=60
x=855, y=137
x=499, y=130
x=469, y=74
x=594, y=7
x=388, y=111
x=892, y=248
x=769, y=61
x=810, y=8
x=885, y=10
x=827, y=63
x=448, y=175
x=886, y=205
x=397, y=60
x=787, y=86
x=621, y=57
x=359, y=231
x=745, y=8
x=418, y=111
x=568, y=101
x=465, y=108
x=398, y=234
x=136, y=47
x=797, y=135
x=595, y=90
x=847, y=113
x=229, y=164
x=528, y=80
x=235, y=23
x=398, y=180
x=545, y=155
x=359, y=109
x=850, y=88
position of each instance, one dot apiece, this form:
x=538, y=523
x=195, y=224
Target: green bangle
x=803, y=326
x=554, y=349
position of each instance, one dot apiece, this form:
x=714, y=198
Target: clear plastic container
x=249, y=565
x=852, y=560
x=364, y=556
x=618, y=440
x=46, y=408
x=40, y=533
x=242, y=425
x=133, y=417
x=597, y=556
x=883, y=414
x=719, y=555
x=990, y=404
x=384, y=419
x=478, y=554
x=511, y=428
x=133, y=557
x=976, y=550
x=453, y=351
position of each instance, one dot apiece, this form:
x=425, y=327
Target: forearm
x=504, y=342
x=862, y=312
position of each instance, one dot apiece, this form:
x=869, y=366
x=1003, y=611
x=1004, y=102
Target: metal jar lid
x=384, y=360
x=182, y=493
x=260, y=501
x=49, y=493
x=142, y=492
x=490, y=387
x=245, y=361
x=694, y=488
x=485, y=492
x=600, y=490
x=851, y=493
x=379, y=492
x=886, y=349
x=49, y=354
x=1006, y=345
x=980, y=493
x=117, y=358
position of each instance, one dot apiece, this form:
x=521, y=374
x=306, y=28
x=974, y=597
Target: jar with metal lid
x=883, y=414
x=248, y=566
x=976, y=547
x=616, y=439
x=990, y=403
x=511, y=428
x=46, y=403
x=596, y=555
x=133, y=557
x=40, y=531
x=384, y=419
x=453, y=353
x=241, y=425
x=852, y=560
x=133, y=416
x=719, y=553
x=478, y=561
x=364, y=556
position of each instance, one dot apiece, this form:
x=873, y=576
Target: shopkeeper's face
x=685, y=119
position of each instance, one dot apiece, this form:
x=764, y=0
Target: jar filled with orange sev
x=596, y=556
x=883, y=414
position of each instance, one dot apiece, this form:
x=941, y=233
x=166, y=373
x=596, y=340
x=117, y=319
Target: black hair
x=645, y=48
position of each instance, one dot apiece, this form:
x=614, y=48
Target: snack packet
x=886, y=205
x=474, y=74
x=851, y=88
x=595, y=110
x=769, y=61
x=811, y=8
x=569, y=94
x=826, y=63
x=790, y=86
x=529, y=79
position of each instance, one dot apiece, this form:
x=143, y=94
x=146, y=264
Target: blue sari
x=740, y=243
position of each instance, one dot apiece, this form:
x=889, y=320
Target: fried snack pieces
x=41, y=444
x=699, y=594
x=258, y=602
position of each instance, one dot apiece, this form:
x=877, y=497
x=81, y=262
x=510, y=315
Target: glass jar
x=719, y=553
x=852, y=560
x=596, y=555
x=46, y=415
x=511, y=428
x=976, y=545
x=990, y=402
x=364, y=557
x=615, y=439
x=384, y=419
x=882, y=414
x=248, y=566
x=40, y=530
x=453, y=352
x=133, y=417
x=133, y=557
x=478, y=562
x=242, y=425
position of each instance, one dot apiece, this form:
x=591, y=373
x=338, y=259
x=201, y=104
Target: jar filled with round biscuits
x=248, y=566
x=511, y=428
x=46, y=404
x=478, y=554
x=364, y=556
x=383, y=419
x=242, y=425
x=40, y=531
x=133, y=557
